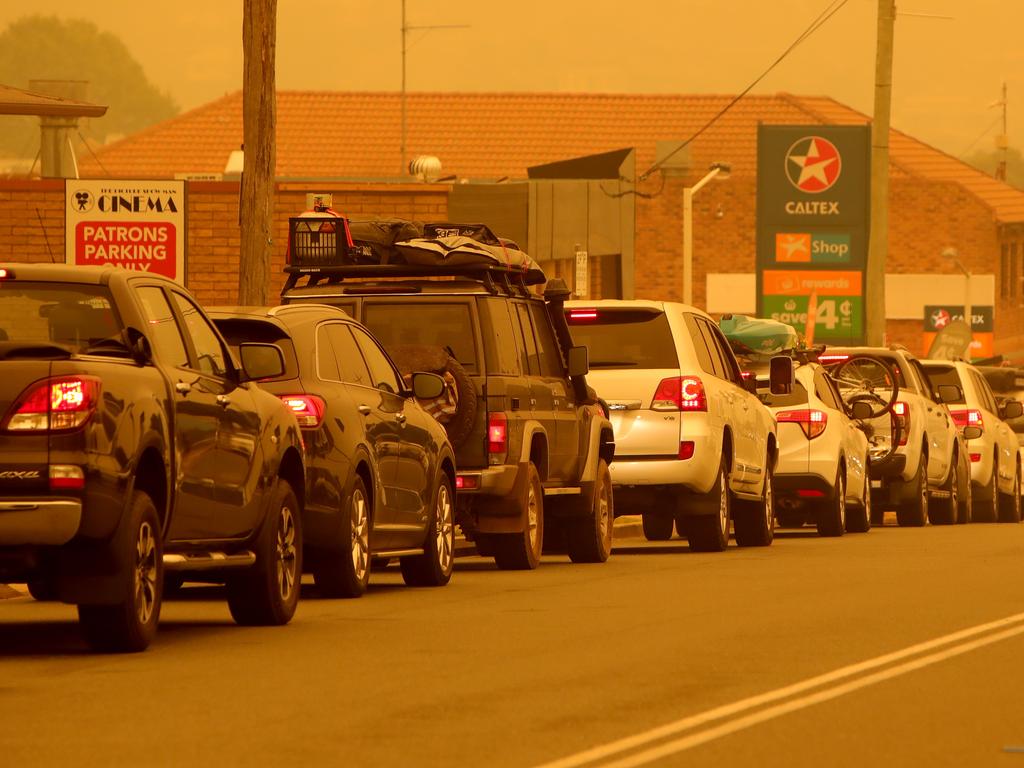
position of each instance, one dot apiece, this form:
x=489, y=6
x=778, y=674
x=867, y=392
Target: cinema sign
x=137, y=225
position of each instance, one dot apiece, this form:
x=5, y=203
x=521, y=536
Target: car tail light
x=686, y=449
x=811, y=420
x=832, y=358
x=66, y=477
x=497, y=436
x=810, y=493
x=680, y=393
x=467, y=482
x=583, y=314
x=57, y=404
x=901, y=414
x=975, y=457
x=968, y=417
x=308, y=409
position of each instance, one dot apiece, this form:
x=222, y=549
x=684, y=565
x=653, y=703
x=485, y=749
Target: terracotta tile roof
x=489, y=135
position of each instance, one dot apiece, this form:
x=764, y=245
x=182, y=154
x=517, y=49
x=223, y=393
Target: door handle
x=223, y=401
x=364, y=409
x=183, y=387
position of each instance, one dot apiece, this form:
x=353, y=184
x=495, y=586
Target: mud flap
x=504, y=514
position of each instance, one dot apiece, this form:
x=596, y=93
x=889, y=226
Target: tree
x=987, y=160
x=259, y=121
x=48, y=48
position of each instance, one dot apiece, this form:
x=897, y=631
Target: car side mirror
x=427, y=386
x=1012, y=409
x=780, y=375
x=579, y=361
x=261, y=361
x=861, y=410
x=971, y=432
x=950, y=393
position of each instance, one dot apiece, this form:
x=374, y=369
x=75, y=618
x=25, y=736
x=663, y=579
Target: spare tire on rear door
x=456, y=408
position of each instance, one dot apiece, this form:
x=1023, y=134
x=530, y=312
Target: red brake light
x=583, y=314
x=832, y=358
x=56, y=404
x=497, y=434
x=901, y=412
x=811, y=421
x=680, y=393
x=308, y=409
x=686, y=449
x=466, y=482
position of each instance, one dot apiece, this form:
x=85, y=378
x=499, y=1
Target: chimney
x=56, y=154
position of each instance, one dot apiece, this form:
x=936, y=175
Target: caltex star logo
x=813, y=164
x=792, y=247
x=940, y=318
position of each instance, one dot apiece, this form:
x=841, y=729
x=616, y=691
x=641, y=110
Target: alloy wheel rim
x=445, y=529
x=603, y=523
x=286, y=553
x=769, y=502
x=533, y=518
x=145, y=586
x=360, y=535
x=841, y=491
x=723, y=506
x=867, y=503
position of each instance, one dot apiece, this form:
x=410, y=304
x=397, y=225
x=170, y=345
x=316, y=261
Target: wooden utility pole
x=878, y=243
x=1002, y=140
x=259, y=122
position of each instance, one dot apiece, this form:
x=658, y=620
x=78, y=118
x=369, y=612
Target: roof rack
x=496, y=279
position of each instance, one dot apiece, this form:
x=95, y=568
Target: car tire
x=589, y=538
x=521, y=551
x=986, y=508
x=130, y=626
x=754, y=521
x=858, y=518
x=434, y=567
x=1009, y=504
x=345, y=571
x=43, y=590
x=913, y=513
x=710, y=533
x=831, y=514
x=657, y=526
x=963, y=515
x=944, y=511
x=267, y=593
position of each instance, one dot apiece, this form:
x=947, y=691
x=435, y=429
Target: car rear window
x=74, y=315
x=945, y=374
x=445, y=325
x=797, y=396
x=235, y=331
x=624, y=338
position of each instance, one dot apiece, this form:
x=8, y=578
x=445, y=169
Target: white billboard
x=132, y=224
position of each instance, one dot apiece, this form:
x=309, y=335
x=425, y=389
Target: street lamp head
x=724, y=169
x=950, y=252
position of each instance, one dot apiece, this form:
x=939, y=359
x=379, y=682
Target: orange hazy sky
x=947, y=71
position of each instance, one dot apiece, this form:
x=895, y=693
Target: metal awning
x=16, y=101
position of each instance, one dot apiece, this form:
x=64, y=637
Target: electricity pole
x=1002, y=140
x=878, y=244
x=259, y=119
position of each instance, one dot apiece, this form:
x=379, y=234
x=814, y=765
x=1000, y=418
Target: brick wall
x=212, y=223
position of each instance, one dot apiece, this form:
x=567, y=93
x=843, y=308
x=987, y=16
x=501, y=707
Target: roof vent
x=425, y=167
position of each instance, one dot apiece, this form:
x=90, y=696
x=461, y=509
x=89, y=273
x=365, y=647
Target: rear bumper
x=492, y=481
x=891, y=469
x=791, y=483
x=47, y=522
x=696, y=474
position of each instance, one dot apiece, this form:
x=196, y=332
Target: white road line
x=644, y=738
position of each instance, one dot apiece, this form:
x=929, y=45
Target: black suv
x=532, y=445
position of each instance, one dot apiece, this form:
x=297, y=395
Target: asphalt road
x=813, y=652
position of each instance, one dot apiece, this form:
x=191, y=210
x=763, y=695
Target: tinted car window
x=987, y=399
x=164, y=334
x=382, y=374
x=69, y=314
x=824, y=391
x=326, y=362
x=624, y=338
x=425, y=324
x=209, y=352
x=550, y=354
x=797, y=396
x=349, y=360
x=530, y=359
x=235, y=331
x=946, y=374
x=700, y=345
x=503, y=355
x=728, y=362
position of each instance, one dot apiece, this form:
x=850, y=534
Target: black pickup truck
x=132, y=443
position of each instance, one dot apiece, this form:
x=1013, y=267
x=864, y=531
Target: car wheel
x=944, y=511
x=589, y=538
x=858, y=519
x=345, y=572
x=434, y=567
x=42, y=590
x=268, y=592
x=832, y=513
x=710, y=533
x=966, y=490
x=986, y=508
x=754, y=522
x=521, y=551
x=1009, y=505
x=914, y=512
x=130, y=626
x=657, y=526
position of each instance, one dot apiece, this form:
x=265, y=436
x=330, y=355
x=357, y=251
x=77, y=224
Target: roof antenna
x=43, y=227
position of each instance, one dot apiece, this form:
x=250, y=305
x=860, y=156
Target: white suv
x=995, y=464
x=924, y=477
x=693, y=444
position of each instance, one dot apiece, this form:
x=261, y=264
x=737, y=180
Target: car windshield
x=624, y=338
x=73, y=315
x=448, y=326
x=945, y=374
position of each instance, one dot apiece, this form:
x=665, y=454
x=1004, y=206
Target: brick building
x=348, y=143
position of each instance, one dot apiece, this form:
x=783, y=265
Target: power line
x=980, y=136
x=830, y=10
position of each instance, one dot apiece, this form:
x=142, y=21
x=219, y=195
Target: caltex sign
x=812, y=227
x=138, y=225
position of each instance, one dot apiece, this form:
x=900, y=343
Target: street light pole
x=952, y=253
x=717, y=169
